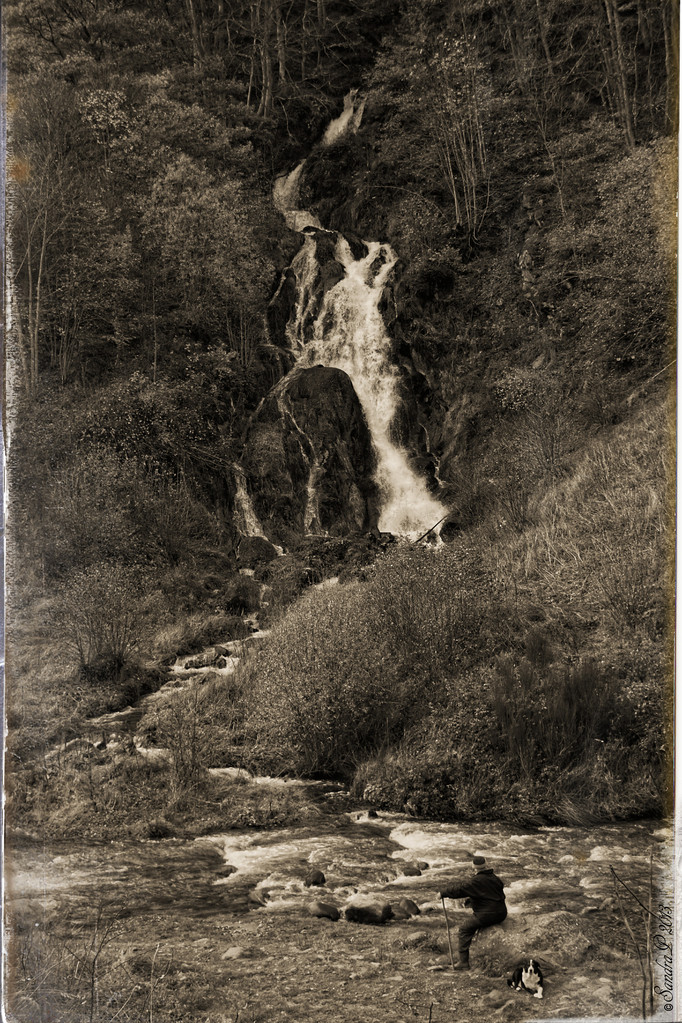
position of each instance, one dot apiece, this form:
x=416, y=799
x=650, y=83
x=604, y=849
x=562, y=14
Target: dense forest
x=520, y=158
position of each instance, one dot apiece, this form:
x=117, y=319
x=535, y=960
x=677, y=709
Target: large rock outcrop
x=309, y=458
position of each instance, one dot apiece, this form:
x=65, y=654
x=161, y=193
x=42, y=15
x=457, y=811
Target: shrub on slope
x=507, y=670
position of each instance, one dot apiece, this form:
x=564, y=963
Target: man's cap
x=479, y=861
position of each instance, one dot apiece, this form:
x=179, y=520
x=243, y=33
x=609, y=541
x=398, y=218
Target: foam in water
x=350, y=335
x=305, y=267
x=247, y=520
x=350, y=116
x=285, y=195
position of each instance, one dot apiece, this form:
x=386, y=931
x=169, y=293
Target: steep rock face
x=309, y=458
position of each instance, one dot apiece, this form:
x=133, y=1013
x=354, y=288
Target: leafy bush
x=351, y=667
x=103, y=614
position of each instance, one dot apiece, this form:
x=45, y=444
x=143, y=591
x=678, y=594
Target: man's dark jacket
x=485, y=891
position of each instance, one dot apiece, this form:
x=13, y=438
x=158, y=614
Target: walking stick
x=447, y=924
x=432, y=528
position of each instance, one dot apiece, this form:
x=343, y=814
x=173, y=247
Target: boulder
x=205, y=660
x=410, y=870
x=422, y=865
x=281, y=307
x=309, y=457
x=408, y=906
x=254, y=551
x=367, y=909
x=324, y=910
x=415, y=938
x=551, y=938
x=314, y=879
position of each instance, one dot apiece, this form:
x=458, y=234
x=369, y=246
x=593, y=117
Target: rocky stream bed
x=339, y=915
x=233, y=922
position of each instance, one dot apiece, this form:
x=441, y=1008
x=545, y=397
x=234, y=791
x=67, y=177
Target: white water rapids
x=350, y=335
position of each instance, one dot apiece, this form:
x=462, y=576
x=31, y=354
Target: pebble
x=234, y=952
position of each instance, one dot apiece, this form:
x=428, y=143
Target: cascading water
x=350, y=335
x=245, y=516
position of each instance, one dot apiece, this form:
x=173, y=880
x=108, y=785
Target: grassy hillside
x=516, y=671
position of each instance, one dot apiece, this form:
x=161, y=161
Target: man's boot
x=463, y=963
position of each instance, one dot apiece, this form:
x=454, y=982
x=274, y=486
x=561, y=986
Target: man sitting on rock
x=484, y=893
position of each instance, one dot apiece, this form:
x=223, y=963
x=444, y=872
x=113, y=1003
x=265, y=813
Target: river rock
x=422, y=865
x=315, y=879
x=410, y=907
x=367, y=909
x=257, y=897
x=234, y=952
x=310, y=436
x=324, y=910
x=204, y=660
x=410, y=870
x=227, y=870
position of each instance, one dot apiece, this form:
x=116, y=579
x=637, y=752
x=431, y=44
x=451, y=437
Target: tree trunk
x=543, y=37
x=281, y=42
x=618, y=53
x=266, y=25
x=197, y=48
x=20, y=338
x=671, y=37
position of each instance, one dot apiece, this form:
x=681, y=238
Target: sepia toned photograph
x=339, y=496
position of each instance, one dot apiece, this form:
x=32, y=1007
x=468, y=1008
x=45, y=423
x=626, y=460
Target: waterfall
x=350, y=335
x=245, y=515
x=350, y=116
x=306, y=270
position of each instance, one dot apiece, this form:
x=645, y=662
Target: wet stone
x=364, y=909
x=409, y=907
x=410, y=870
x=324, y=910
x=398, y=913
x=315, y=878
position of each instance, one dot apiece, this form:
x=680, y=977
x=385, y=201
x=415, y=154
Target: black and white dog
x=527, y=977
